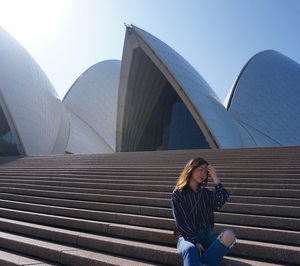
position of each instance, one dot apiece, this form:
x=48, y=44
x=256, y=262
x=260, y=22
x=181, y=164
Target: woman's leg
x=228, y=238
x=188, y=251
x=219, y=248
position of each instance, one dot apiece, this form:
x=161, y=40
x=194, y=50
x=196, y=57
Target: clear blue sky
x=217, y=37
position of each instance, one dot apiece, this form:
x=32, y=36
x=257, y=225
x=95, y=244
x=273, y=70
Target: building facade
x=151, y=100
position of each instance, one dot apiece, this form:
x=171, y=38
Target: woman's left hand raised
x=212, y=171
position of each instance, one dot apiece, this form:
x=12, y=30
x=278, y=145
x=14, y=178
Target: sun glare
x=29, y=20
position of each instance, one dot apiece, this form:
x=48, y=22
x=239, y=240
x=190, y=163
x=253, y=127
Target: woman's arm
x=213, y=174
x=221, y=195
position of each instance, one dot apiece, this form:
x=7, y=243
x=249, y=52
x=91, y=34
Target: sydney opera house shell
x=151, y=100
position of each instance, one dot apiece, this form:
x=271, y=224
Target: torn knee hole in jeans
x=220, y=239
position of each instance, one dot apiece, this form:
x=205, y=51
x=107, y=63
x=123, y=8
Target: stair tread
x=65, y=249
x=111, y=240
x=103, y=203
x=42, y=209
x=238, y=261
x=103, y=258
x=69, y=231
x=168, y=232
x=9, y=257
x=269, y=245
x=140, y=227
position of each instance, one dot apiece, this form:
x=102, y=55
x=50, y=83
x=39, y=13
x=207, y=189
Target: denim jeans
x=215, y=250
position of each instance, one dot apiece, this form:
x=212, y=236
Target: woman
x=193, y=208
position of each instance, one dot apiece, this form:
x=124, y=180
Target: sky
x=217, y=37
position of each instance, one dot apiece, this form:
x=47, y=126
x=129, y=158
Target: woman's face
x=200, y=173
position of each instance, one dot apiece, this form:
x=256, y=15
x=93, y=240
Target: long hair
x=186, y=174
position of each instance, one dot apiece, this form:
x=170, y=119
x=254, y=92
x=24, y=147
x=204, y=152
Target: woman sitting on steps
x=193, y=208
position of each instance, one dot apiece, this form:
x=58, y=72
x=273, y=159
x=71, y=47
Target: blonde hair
x=185, y=176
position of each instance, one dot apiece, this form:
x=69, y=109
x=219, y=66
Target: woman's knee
x=228, y=237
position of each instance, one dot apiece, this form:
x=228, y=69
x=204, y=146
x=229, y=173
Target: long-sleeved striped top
x=203, y=215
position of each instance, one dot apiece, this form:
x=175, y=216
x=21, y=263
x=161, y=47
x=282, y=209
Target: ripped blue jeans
x=215, y=250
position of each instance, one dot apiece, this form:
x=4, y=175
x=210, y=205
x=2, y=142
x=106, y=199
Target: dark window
x=171, y=126
x=7, y=143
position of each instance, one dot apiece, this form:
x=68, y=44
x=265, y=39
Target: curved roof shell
x=83, y=139
x=265, y=99
x=218, y=127
x=110, y=105
x=93, y=99
x=30, y=103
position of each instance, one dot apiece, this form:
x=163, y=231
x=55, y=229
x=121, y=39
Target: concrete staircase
x=115, y=209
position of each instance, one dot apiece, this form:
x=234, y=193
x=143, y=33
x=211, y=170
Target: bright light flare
x=29, y=20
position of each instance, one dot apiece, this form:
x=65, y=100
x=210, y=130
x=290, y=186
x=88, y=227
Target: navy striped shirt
x=203, y=215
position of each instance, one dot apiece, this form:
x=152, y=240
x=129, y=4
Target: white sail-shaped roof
x=32, y=107
x=93, y=99
x=265, y=99
x=219, y=128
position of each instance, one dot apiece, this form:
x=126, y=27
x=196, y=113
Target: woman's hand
x=213, y=174
x=200, y=249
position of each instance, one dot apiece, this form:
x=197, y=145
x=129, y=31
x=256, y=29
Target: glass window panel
x=7, y=143
x=171, y=126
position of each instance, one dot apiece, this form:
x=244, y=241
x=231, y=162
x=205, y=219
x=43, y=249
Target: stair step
x=143, y=233
x=95, y=183
x=133, y=188
x=9, y=258
x=269, y=251
x=86, y=257
x=138, y=208
x=42, y=226
x=150, y=221
x=158, y=197
x=115, y=196
x=106, y=244
x=240, y=261
x=146, y=220
x=64, y=254
x=259, y=209
x=258, y=220
x=265, y=200
x=280, y=211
